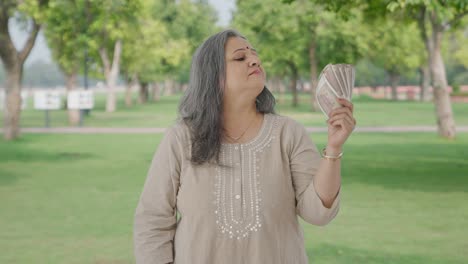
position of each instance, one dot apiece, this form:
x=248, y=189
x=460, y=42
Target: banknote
x=326, y=97
x=335, y=81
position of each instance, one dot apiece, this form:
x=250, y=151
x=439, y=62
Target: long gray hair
x=201, y=107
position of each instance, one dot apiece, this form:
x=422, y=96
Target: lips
x=257, y=71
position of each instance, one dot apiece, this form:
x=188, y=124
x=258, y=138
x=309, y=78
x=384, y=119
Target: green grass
x=163, y=113
x=70, y=199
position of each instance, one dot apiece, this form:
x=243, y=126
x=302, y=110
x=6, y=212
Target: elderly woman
x=229, y=179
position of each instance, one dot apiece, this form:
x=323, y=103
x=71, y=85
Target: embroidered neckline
x=261, y=134
x=238, y=188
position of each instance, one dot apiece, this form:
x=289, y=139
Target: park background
x=68, y=191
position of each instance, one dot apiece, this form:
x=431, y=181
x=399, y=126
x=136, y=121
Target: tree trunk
x=432, y=40
x=275, y=84
x=129, y=90
x=424, y=83
x=168, y=87
x=128, y=95
x=313, y=76
x=428, y=43
x=156, y=92
x=394, y=80
x=73, y=114
x=111, y=71
x=144, y=93
x=13, y=61
x=12, y=113
x=443, y=105
x=282, y=91
x=293, y=83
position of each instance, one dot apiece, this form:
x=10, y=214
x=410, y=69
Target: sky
x=42, y=52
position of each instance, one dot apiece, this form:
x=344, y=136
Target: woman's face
x=245, y=77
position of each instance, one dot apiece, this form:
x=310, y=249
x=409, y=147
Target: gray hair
x=201, y=107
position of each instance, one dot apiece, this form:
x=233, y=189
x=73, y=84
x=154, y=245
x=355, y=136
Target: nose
x=254, y=61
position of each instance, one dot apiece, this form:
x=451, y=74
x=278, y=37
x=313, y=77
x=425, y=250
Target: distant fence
x=404, y=93
x=408, y=93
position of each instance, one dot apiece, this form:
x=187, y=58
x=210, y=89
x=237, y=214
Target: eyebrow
x=254, y=50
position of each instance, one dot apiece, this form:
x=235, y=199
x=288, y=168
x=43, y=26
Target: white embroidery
x=239, y=223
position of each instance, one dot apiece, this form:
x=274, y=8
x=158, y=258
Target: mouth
x=257, y=71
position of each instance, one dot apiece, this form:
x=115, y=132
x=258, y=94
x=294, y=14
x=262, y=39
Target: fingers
x=346, y=116
x=346, y=103
x=344, y=123
x=340, y=111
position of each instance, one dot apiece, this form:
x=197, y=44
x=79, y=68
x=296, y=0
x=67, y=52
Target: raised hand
x=340, y=124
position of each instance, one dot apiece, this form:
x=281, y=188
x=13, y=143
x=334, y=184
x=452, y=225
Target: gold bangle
x=324, y=154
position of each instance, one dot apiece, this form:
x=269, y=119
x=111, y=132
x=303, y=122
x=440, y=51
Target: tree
x=160, y=48
x=189, y=22
x=332, y=39
x=396, y=48
x=65, y=32
x=455, y=53
x=13, y=60
x=109, y=24
x=275, y=29
x=435, y=17
x=301, y=36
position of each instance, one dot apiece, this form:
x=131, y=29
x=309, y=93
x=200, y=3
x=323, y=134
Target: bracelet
x=324, y=154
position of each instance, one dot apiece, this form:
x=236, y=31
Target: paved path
x=125, y=130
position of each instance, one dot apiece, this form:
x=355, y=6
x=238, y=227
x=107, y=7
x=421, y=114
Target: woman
x=237, y=174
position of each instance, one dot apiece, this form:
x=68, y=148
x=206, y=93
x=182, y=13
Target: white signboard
x=24, y=100
x=83, y=99
x=47, y=100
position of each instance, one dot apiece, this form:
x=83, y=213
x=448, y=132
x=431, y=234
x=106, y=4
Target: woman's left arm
x=341, y=124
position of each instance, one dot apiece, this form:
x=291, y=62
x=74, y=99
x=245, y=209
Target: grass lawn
x=70, y=199
x=161, y=114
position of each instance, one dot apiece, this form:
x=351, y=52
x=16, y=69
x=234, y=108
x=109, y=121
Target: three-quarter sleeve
x=304, y=163
x=155, y=216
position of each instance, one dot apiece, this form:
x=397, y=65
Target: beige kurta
x=242, y=213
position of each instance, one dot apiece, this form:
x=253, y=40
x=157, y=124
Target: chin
x=259, y=89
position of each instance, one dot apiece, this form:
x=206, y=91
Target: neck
x=235, y=116
x=237, y=120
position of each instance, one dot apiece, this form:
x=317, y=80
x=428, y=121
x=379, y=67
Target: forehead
x=234, y=43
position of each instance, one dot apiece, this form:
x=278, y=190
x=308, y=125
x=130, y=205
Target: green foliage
x=148, y=48
x=396, y=47
x=369, y=74
x=456, y=88
x=162, y=43
x=190, y=23
x=444, y=12
x=35, y=9
x=457, y=43
x=74, y=26
x=274, y=30
x=341, y=40
x=65, y=32
x=286, y=32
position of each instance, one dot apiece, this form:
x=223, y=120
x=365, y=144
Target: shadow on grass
x=24, y=155
x=19, y=153
x=409, y=166
x=7, y=177
x=326, y=253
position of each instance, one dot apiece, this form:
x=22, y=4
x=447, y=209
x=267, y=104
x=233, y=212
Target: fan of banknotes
x=335, y=81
